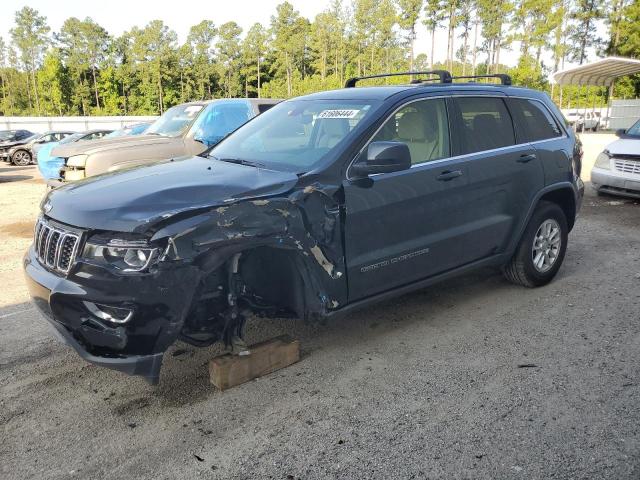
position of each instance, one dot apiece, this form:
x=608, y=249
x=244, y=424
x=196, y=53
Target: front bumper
x=135, y=348
x=615, y=182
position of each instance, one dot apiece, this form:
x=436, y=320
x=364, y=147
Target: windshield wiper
x=239, y=161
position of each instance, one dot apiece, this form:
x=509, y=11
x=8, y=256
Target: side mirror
x=383, y=157
x=621, y=131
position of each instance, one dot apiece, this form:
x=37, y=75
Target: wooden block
x=228, y=370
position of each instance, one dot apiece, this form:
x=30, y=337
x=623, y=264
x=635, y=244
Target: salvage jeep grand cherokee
x=322, y=204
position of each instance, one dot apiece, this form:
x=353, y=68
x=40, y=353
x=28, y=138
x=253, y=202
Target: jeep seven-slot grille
x=627, y=165
x=55, y=247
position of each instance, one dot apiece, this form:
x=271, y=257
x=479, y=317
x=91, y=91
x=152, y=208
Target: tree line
x=84, y=70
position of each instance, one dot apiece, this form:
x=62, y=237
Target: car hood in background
x=625, y=146
x=112, y=144
x=13, y=143
x=133, y=200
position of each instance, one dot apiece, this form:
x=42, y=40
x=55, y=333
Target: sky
x=118, y=16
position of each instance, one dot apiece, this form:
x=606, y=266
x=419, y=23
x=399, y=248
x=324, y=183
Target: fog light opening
x=109, y=313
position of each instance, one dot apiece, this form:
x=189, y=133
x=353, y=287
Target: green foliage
x=54, y=84
x=83, y=70
x=529, y=73
x=30, y=37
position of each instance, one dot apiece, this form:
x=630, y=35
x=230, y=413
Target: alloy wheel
x=21, y=158
x=546, y=245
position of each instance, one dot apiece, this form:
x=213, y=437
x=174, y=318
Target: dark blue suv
x=322, y=204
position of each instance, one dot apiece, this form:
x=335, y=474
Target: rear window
x=486, y=124
x=534, y=119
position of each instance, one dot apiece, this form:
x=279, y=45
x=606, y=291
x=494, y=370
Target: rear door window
x=485, y=124
x=535, y=121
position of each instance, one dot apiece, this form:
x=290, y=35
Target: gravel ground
x=473, y=378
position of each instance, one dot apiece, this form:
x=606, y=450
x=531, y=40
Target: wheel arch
x=563, y=195
x=565, y=199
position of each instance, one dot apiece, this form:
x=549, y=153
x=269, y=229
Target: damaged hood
x=113, y=144
x=133, y=200
x=15, y=143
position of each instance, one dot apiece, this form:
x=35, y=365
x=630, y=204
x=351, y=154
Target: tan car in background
x=183, y=130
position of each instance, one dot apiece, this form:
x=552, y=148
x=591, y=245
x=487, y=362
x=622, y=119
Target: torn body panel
x=246, y=254
x=290, y=259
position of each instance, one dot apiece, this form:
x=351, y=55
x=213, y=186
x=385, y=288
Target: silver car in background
x=617, y=168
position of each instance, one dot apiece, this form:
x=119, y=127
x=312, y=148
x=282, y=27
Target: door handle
x=449, y=175
x=526, y=158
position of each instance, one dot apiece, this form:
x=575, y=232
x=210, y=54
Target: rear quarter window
x=535, y=122
x=263, y=107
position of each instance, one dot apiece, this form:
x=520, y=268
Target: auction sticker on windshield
x=338, y=113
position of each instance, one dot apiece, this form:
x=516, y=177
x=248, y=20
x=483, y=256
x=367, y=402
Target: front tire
x=541, y=249
x=21, y=158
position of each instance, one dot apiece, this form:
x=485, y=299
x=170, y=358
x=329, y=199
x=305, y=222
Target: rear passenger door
x=504, y=172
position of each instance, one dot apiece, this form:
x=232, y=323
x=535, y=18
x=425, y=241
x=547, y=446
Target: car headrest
x=335, y=126
x=485, y=123
x=412, y=126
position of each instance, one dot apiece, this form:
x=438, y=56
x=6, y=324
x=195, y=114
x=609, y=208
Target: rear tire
x=21, y=158
x=541, y=249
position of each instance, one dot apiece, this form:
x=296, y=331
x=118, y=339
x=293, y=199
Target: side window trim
x=454, y=126
x=392, y=113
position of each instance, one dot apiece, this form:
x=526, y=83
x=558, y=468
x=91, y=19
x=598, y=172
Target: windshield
x=6, y=135
x=296, y=134
x=218, y=120
x=175, y=120
x=634, y=130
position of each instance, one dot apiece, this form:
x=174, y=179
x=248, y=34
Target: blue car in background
x=182, y=131
x=136, y=129
x=50, y=166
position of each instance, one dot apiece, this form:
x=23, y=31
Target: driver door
x=404, y=226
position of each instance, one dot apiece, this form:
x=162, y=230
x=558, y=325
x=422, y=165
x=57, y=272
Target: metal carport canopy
x=602, y=72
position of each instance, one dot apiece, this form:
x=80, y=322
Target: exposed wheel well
x=564, y=198
x=266, y=281
x=273, y=275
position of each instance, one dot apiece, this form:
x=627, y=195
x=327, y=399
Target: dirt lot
x=474, y=378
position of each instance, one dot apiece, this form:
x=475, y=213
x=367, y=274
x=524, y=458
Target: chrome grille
x=55, y=247
x=627, y=166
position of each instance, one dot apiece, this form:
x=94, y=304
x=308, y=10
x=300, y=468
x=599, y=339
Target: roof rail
x=504, y=78
x=445, y=77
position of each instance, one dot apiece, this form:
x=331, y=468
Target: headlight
x=77, y=161
x=604, y=160
x=123, y=255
